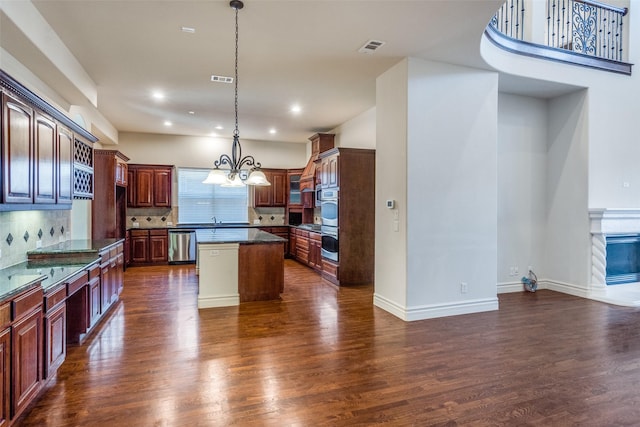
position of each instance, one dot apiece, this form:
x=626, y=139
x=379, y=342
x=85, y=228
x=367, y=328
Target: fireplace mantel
x=615, y=221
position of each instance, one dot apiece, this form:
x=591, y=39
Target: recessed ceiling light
x=272, y=131
x=296, y=109
x=192, y=112
x=168, y=123
x=158, y=95
x=189, y=30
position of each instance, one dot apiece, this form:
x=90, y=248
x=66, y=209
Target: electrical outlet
x=463, y=287
x=38, y=244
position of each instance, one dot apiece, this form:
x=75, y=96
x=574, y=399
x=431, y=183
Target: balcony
x=580, y=32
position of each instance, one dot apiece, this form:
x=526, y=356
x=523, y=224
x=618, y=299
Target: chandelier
x=228, y=170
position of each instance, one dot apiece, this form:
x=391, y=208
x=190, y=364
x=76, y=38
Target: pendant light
x=232, y=174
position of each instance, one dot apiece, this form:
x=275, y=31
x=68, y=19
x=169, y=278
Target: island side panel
x=218, y=278
x=261, y=275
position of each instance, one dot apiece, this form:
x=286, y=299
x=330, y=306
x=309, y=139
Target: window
x=198, y=202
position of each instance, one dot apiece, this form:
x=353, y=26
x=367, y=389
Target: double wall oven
x=329, y=229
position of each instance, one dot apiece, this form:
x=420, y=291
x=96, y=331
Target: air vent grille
x=221, y=79
x=371, y=46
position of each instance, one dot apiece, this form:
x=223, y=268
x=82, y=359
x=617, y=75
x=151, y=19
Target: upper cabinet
x=17, y=151
x=320, y=142
x=329, y=172
x=274, y=195
x=38, y=151
x=149, y=186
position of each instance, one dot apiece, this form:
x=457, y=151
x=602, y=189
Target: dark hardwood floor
x=324, y=356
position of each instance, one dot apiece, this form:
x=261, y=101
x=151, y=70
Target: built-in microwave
x=318, y=196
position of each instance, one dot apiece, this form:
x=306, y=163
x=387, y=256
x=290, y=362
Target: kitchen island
x=237, y=265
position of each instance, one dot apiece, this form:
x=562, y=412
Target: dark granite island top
x=236, y=235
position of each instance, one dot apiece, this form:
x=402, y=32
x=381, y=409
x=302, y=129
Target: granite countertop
x=75, y=247
x=244, y=235
x=21, y=277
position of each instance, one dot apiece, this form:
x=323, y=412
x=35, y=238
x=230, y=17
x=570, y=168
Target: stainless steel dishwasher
x=182, y=246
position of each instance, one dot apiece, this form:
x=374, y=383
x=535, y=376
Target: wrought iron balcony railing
x=584, y=32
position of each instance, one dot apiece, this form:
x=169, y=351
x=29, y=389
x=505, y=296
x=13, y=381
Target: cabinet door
x=263, y=196
x=45, y=160
x=159, y=247
x=333, y=172
x=119, y=275
x=279, y=188
x=17, y=151
x=162, y=188
x=139, y=248
x=65, y=166
x=5, y=375
x=55, y=339
x=26, y=360
x=131, y=188
x=106, y=285
x=292, y=243
x=144, y=188
x=94, y=298
x=293, y=178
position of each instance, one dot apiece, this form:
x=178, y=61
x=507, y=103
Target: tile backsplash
x=151, y=217
x=266, y=216
x=21, y=230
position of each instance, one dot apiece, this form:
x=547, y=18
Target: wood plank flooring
x=324, y=356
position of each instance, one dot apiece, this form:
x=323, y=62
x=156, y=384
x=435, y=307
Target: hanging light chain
x=236, y=132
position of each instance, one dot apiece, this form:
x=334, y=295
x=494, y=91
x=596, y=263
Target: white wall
x=189, y=151
x=522, y=180
x=359, y=132
x=391, y=183
x=445, y=117
x=568, y=239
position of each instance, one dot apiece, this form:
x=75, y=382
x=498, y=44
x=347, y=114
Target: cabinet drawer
x=330, y=268
x=76, y=283
x=158, y=233
x=53, y=298
x=5, y=315
x=94, y=271
x=139, y=233
x=113, y=252
x=27, y=302
x=315, y=237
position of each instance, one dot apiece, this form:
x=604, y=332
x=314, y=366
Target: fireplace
x=622, y=259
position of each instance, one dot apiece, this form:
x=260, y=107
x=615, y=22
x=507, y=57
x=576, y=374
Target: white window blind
x=198, y=202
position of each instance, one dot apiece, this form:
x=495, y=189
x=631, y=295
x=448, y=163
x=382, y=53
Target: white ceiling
x=303, y=52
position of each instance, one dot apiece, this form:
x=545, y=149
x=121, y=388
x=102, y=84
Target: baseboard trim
x=219, y=301
x=436, y=310
x=565, y=288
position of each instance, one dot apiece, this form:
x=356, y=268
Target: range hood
x=319, y=142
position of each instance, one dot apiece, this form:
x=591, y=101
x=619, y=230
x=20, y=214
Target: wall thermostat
x=391, y=204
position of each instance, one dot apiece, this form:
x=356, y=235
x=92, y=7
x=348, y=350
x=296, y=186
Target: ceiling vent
x=370, y=46
x=221, y=79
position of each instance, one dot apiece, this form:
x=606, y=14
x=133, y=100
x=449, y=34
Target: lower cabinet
x=308, y=245
x=26, y=350
x=55, y=339
x=149, y=246
x=5, y=374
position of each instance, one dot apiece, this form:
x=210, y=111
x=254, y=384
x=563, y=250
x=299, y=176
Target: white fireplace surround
x=611, y=222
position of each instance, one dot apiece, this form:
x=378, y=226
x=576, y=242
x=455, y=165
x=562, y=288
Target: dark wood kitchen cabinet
x=45, y=160
x=149, y=186
x=315, y=245
x=55, y=327
x=149, y=246
x=280, y=232
x=26, y=349
x=65, y=166
x=17, y=151
x=353, y=171
x=109, y=205
x=5, y=370
x=40, y=159
x=274, y=195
